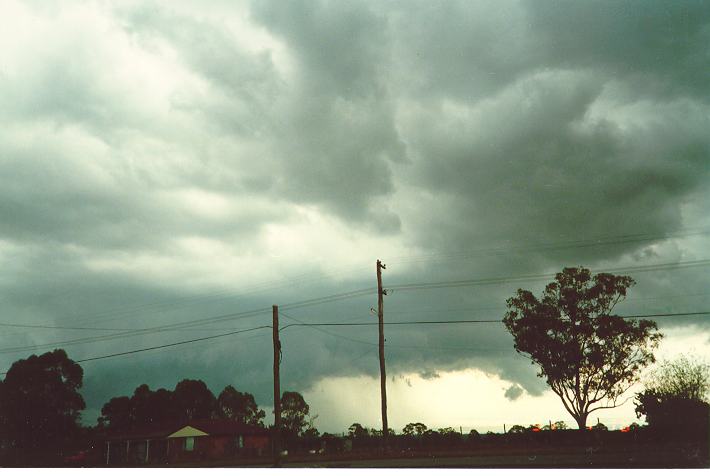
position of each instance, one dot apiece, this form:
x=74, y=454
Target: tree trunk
x=581, y=421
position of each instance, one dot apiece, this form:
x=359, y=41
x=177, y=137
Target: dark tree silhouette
x=684, y=377
x=356, y=430
x=559, y=425
x=600, y=427
x=239, y=406
x=414, y=429
x=517, y=429
x=588, y=356
x=117, y=414
x=40, y=401
x=145, y=407
x=294, y=411
x=674, y=398
x=192, y=399
x=152, y=407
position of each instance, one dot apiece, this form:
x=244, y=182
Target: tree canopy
x=356, y=430
x=294, y=413
x=588, y=356
x=40, y=400
x=683, y=377
x=239, y=406
x=675, y=395
x=191, y=399
x=412, y=429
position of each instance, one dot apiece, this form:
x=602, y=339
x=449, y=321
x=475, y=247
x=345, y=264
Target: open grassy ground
x=647, y=456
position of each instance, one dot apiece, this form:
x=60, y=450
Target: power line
x=189, y=324
x=469, y=321
x=406, y=311
x=327, y=332
x=533, y=277
x=172, y=344
x=390, y=345
x=263, y=286
x=136, y=333
x=338, y=297
x=590, y=242
x=317, y=324
x=302, y=278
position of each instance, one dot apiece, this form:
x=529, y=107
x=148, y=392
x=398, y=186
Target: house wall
x=205, y=448
x=259, y=444
x=171, y=450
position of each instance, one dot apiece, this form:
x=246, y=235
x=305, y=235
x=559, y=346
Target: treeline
x=41, y=404
x=417, y=441
x=190, y=399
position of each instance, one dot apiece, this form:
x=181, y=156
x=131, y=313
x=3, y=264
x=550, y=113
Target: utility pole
x=383, y=376
x=277, y=387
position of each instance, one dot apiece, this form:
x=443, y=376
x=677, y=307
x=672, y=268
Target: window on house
x=189, y=443
x=240, y=441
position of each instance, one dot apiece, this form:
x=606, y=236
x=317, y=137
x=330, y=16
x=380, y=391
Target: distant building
x=193, y=441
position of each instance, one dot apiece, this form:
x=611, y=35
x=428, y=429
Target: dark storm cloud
x=530, y=165
x=429, y=375
x=443, y=126
x=659, y=47
x=339, y=136
x=326, y=131
x=595, y=118
x=513, y=392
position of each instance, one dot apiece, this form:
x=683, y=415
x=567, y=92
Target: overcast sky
x=170, y=162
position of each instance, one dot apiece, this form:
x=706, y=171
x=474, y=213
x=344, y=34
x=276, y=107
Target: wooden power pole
x=277, y=387
x=383, y=376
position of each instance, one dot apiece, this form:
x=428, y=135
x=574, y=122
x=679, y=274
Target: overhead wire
x=534, y=277
x=405, y=311
x=188, y=324
x=163, y=346
x=604, y=240
x=273, y=284
x=338, y=297
x=318, y=324
x=136, y=333
x=179, y=302
x=327, y=332
x=471, y=321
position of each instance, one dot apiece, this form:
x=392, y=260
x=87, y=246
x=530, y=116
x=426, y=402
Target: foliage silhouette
x=414, y=429
x=191, y=399
x=239, y=406
x=294, y=411
x=40, y=402
x=683, y=377
x=356, y=430
x=116, y=414
x=589, y=356
x=674, y=399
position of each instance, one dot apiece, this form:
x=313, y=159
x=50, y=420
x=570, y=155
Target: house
x=191, y=441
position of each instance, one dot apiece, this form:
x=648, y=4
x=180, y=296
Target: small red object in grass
x=76, y=457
